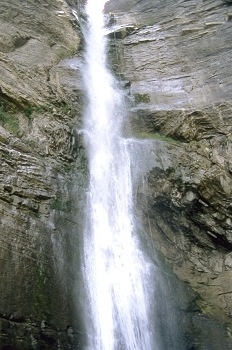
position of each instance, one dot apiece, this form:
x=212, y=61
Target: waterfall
x=116, y=274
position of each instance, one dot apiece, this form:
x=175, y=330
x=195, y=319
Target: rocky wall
x=173, y=59
x=43, y=172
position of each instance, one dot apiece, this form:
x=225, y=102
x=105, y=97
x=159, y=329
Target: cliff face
x=174, y=57
x=40, y=96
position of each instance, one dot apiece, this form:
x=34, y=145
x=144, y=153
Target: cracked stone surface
x=42, y=165
x=174, y=64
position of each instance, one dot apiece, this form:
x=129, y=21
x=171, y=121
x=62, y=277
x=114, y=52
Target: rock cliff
x=40, y=103
x=173, y=57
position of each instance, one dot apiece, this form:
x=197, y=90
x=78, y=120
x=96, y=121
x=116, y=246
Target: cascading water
x=115, y=272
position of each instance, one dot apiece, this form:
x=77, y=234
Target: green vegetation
x=68, y=206
x=66, y=110
x=29, y=111
x=9, y=120
x=142, y=98
x=36, y=214
x=63, y=108
x=32, y=143
x=57, y=205
x=40, y=109
x=41, y=295
x=37, y=300
x=67, y=168
x=155, y=136
x=66, y=53
x=62, y=206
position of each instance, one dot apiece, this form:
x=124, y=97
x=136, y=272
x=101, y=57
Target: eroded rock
x=37, y=36
x=40, y=107
x=176, y=64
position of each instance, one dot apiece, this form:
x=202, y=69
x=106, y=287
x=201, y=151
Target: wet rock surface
x=175, y=67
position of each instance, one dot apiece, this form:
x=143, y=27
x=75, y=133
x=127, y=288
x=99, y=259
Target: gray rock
x=40, y=106
x=180, y=96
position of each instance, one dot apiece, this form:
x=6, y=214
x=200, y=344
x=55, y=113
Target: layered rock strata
x=42, y=160
x=173, y=58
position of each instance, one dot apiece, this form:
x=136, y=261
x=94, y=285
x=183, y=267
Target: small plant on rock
x=9, y=120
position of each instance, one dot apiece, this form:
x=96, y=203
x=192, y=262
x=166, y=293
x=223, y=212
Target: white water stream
x=115, y=272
